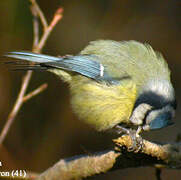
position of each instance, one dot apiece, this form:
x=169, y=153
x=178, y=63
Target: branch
x=170, y=154
x=35, y=26
x=35, y=92
x=151, y=154
x=81, y=166
x=57, y=17
x=37, y=48
x=16, y=107
x=39, y=12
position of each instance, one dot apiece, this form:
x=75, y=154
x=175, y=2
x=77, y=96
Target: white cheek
x=139, y=114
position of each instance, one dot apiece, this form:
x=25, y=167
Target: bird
x=121, y=85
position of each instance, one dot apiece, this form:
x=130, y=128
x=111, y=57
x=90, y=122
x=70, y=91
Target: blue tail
x=82, y=64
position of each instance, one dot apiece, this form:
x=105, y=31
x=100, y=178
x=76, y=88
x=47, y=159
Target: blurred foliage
x=45, y=129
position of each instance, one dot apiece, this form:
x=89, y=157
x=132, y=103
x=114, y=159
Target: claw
x=135, y=136
x=121, y=130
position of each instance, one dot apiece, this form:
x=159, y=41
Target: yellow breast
x=100, y=105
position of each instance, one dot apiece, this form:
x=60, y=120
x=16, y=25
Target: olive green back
x=137, y=60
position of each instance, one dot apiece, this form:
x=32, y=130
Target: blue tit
x=125, y=84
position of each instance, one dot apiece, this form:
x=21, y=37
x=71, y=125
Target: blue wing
x=82, y=64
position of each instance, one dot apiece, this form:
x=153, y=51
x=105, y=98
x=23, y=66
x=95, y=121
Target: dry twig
x=79, y=167
x=37, y=48
x=16, y=107
x=35, y=92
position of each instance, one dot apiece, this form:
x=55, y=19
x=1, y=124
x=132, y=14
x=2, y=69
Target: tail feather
x=33, y=57
x=24, y=66
x=83, y=64
x=28, y=68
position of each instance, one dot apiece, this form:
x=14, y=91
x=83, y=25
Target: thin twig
x=35, y=92
x=40, y=14
x=57, y=17
x=37, y=47
x=35, y=27
x=16, y=107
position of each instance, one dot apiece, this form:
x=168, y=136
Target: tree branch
x=35, y=26
x=151, y=154
x=37, y=48
x=39, y=13
x=81, y=166
x=170, y=153
x=16, y=107
x=35, y=92
x=57, y=17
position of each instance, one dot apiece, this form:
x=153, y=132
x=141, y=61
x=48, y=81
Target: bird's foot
x=137, y=141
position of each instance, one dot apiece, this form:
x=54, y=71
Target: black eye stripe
x=154, y=100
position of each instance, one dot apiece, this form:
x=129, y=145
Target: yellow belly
x=100, y=105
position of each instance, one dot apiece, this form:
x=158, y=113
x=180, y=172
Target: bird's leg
x=121, y=130
x=135, y=136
